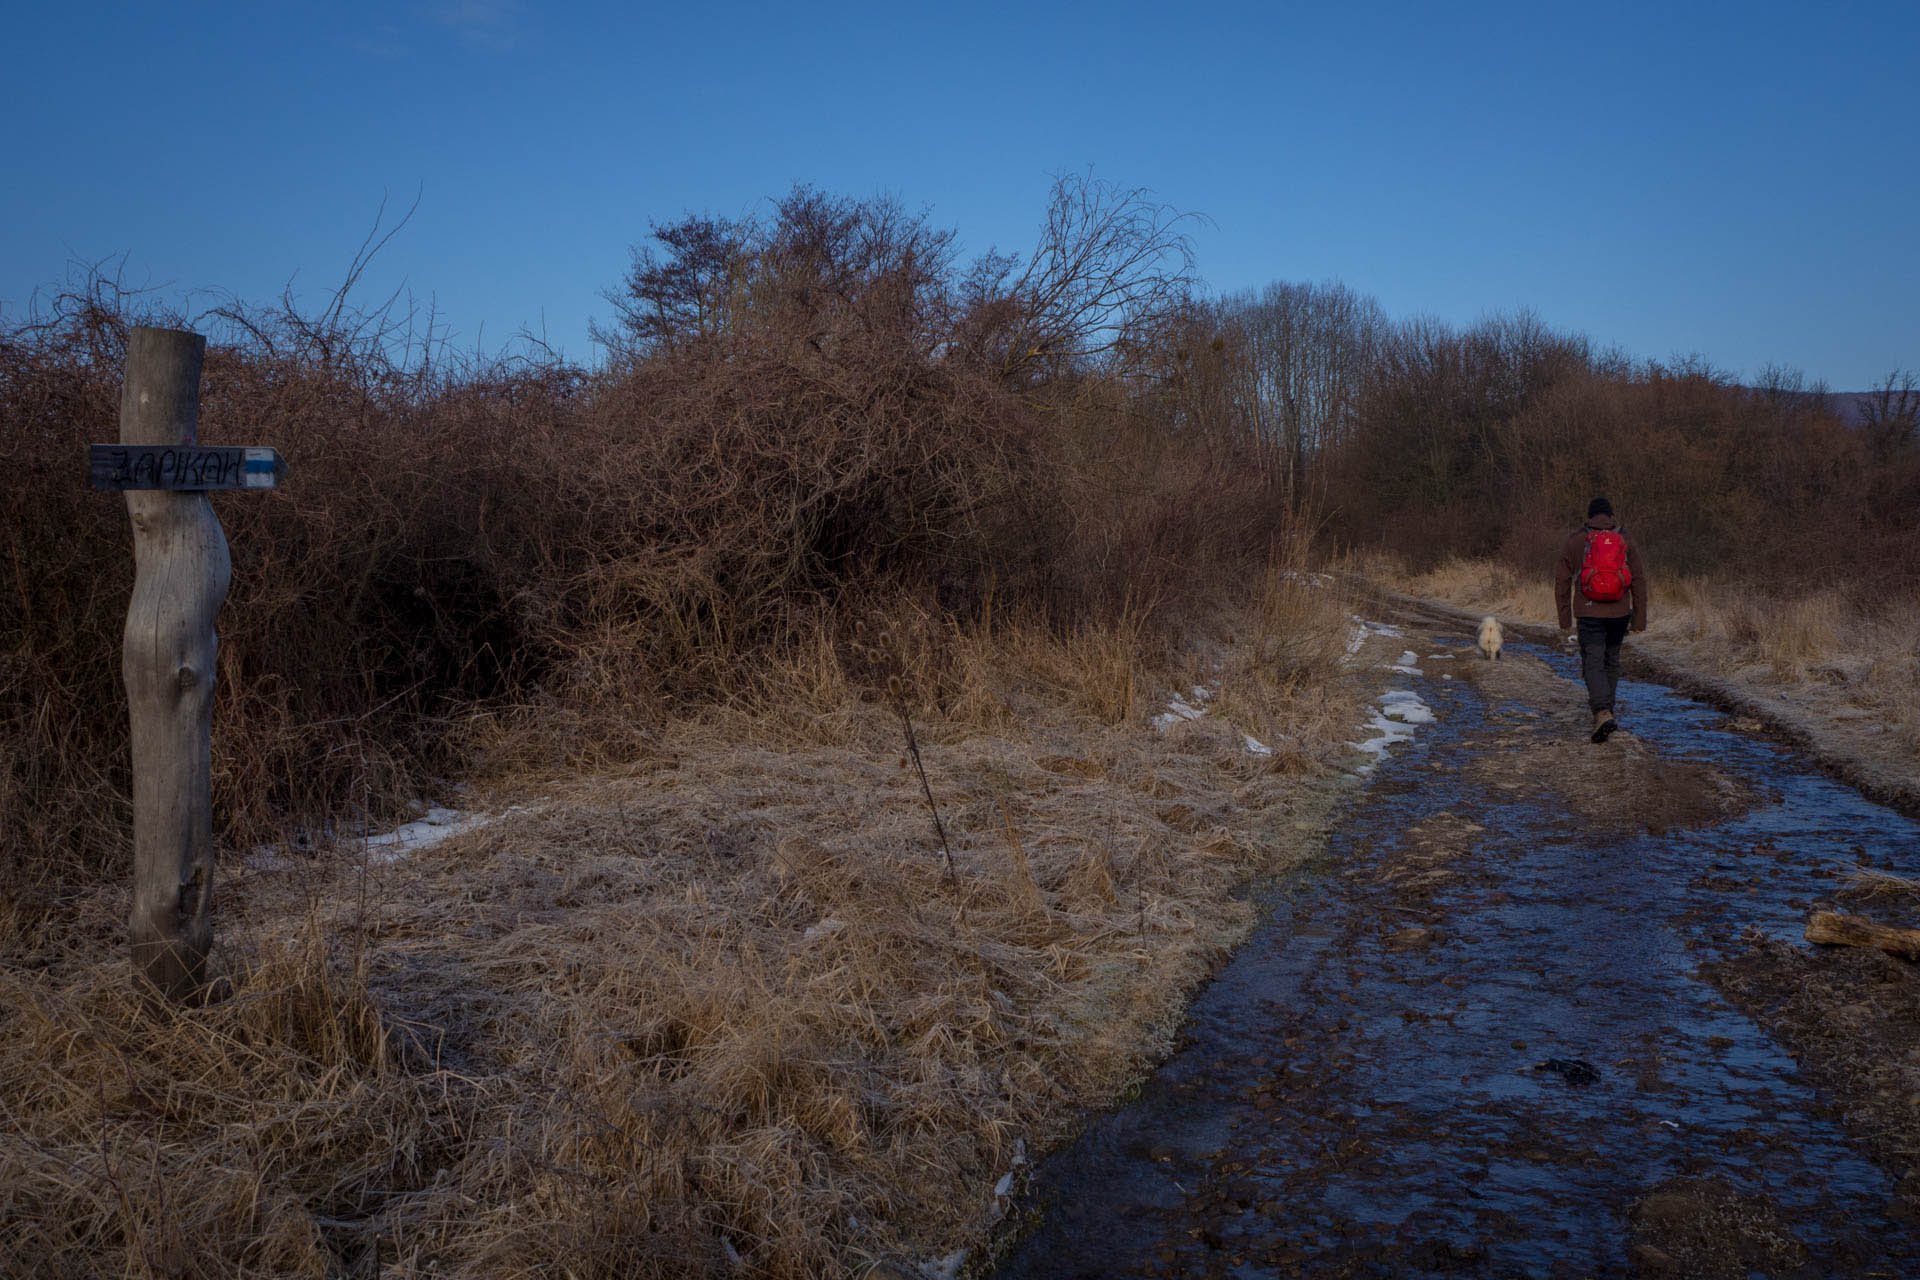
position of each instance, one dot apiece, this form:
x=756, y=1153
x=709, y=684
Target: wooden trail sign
x=181, y=573
x=183, y=470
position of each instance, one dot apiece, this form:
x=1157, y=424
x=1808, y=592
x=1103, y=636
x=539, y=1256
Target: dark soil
x=1852, y=1020
x=1702, y=1227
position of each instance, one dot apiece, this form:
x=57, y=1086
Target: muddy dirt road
x=1479, y=1038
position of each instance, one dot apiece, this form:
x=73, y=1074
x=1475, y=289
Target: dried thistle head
x=895, y=689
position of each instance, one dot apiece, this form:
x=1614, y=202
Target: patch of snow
x=1407, y=707
x=1385, y=734
x=1404, y=664
x=271, y=857
x=1400, y=711
x=1177, y=710
x=435, y=824
x=438, y=825
x=1363, y=629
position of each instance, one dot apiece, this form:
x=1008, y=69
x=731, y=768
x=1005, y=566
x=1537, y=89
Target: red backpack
x=1604, y=576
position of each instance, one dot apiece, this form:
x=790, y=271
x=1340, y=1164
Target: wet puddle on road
x=1472, y=1041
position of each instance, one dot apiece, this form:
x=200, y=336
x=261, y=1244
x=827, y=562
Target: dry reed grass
x=721, y=1012
x=1870, y=882
x=1490, y=586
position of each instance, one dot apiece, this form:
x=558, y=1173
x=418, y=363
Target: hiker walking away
x=1599, y=583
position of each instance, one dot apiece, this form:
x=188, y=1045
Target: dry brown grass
x=1491, y=586
x=1870, y=882
x=721, y=1004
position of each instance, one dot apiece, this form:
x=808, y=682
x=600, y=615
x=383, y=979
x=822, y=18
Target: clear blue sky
x=1736, y=180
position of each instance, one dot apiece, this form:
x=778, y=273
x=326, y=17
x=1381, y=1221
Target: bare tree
x=1308, y=349
x=817, y=269
x=673, y=293
x=1890, y=414
x=1787, y=392
x=1111, y=261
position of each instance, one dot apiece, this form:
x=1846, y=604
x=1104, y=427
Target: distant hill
x=1845, y=405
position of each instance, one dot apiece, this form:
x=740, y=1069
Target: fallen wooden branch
x=1831, y=928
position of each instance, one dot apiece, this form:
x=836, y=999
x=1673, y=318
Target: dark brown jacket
x=1566, y=581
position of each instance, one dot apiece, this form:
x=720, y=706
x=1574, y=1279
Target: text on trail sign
x=183, y=467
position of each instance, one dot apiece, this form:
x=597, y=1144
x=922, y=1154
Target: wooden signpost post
x=181, y=572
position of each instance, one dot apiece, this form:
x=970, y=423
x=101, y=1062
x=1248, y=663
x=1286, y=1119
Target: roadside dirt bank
x=1498, y=1032
x=725, y=1011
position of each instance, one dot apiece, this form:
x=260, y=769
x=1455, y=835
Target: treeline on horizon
x=1434, y=441
x=811, y=416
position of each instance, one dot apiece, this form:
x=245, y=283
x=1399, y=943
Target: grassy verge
x=721, y=1011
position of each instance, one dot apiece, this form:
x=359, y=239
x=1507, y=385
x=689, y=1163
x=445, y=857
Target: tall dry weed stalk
x=886, y=669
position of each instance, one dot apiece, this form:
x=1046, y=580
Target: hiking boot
x=1603, y=725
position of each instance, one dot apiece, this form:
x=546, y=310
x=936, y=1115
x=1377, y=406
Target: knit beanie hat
x=1599, y=507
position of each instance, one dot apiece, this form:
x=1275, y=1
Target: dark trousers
x=1600, y=658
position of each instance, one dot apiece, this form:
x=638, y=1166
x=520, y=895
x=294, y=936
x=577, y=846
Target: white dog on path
x=1490, y=637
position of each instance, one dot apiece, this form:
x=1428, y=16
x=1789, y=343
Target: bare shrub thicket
x=805, y=412
x=387, y=583
x=1435, y=442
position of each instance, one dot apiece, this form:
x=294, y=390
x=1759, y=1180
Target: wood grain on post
x=1835, y=930
x=181, y=573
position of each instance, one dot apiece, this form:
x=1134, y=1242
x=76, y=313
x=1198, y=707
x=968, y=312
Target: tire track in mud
x=1474, y=1041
